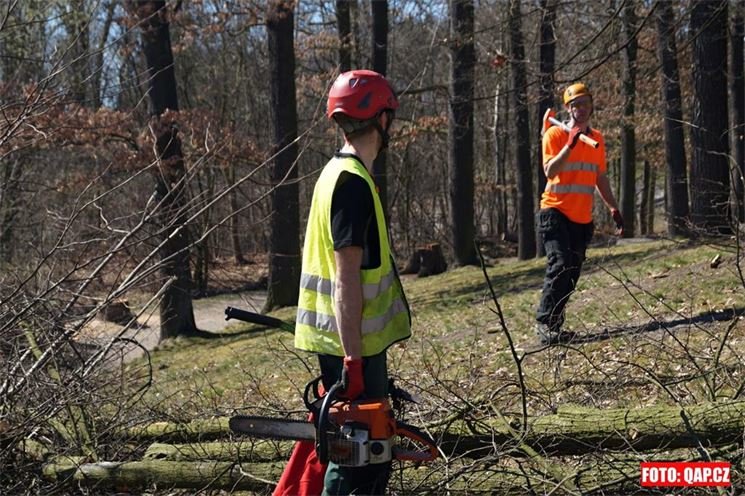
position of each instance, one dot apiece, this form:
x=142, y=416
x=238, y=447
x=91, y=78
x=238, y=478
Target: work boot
x=549, y=336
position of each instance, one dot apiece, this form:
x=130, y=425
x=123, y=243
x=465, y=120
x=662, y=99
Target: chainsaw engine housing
x=360, y=433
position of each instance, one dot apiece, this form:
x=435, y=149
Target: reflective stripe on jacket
x=385, y=313
x=572, y=190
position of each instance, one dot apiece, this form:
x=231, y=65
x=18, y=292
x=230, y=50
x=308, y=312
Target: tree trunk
x=677, y=176
x=526, y=238
x=651, y=192
x=284, y=238
x=643, y=204
x=98, y=92
x=628, y=138
x=234, y=224
x=176, y=310
x=501, y=111
x=545, y=90
x=737, y=90
x=380, y=65
x=710, y=167
x=344, y=27
x=460, y=134
x=76, y=21
x=646, y=207
x=10, y=205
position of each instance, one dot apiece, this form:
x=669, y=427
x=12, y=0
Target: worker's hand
x=618, y=219
x=573, y=137
x=351, y=378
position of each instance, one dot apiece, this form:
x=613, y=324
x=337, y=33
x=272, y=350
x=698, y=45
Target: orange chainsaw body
x=375, y=415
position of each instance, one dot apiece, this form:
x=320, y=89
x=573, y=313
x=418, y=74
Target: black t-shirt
x=353, y=221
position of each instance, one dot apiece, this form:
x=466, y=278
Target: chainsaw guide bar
x=273, y=428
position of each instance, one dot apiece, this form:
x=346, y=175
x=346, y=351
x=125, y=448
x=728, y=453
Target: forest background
x=145, y=145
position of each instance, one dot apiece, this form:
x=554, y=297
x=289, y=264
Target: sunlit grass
x=459, y=350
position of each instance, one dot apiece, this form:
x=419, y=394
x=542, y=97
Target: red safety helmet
x=361, y=95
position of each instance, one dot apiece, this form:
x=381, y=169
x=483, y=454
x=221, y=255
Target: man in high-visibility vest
x=352, y=305
x=574, y=171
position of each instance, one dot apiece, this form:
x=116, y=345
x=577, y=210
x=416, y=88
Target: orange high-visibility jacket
x=572, y=190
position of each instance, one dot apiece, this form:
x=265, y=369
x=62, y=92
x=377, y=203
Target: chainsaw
x=349, y=433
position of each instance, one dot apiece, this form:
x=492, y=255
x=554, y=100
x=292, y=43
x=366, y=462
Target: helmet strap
x=384, y=133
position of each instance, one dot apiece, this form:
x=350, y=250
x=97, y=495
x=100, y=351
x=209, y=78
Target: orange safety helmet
x=575, y=91
x=361, y=95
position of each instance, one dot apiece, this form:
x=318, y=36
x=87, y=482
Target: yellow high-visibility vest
x=385, y=312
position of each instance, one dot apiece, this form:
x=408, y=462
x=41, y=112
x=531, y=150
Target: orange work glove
x=351, y=378
x=573, y=137
x=618, y=219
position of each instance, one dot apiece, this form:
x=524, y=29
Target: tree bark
x=526, y=237
x=677, y=176
x=709, y=137
x=344, y=27
x=176, y=310
x=460, y=135
x=628, y=138
x=234, y=224
x=284, y=238
x=167, y=474
x=547, y=63
x=737, y=91
x=77, y=21
x=380, y=65
x=253, y=451
x=575, y=430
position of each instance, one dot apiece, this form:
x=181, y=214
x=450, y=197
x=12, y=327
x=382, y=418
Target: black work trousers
x=371, y=479
x=565, y=243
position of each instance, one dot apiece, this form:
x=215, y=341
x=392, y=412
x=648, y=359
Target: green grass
x=460, y=353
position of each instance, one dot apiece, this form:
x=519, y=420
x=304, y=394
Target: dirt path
x=209, y=314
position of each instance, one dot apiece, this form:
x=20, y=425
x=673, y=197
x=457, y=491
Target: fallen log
x=491, y=477
x=245, y=450
x=167, y=474
x=578, y=430
x=571, y=431
x=195, y=431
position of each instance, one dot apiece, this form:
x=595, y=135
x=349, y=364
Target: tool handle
x=426, y=447
x=256, y=318
x=582, y=137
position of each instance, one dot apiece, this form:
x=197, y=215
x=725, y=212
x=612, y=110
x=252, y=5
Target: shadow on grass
x=703, y=318
x=208, y=335
x=527, y=278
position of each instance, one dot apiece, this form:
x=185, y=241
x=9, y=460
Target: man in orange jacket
x=574, y=171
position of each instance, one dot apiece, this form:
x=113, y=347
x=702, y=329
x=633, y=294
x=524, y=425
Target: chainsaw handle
x=312, y=386
x=322, y=442
x=404, y=430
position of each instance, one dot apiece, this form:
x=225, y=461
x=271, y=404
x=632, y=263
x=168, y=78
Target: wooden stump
x=117, y=311
x=426, y=260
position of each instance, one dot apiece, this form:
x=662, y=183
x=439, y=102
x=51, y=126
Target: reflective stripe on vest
x=328, y=322
x=580, y=166
x=326, y=286
x=570, y=188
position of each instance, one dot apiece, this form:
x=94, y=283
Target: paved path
x=209, y=314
